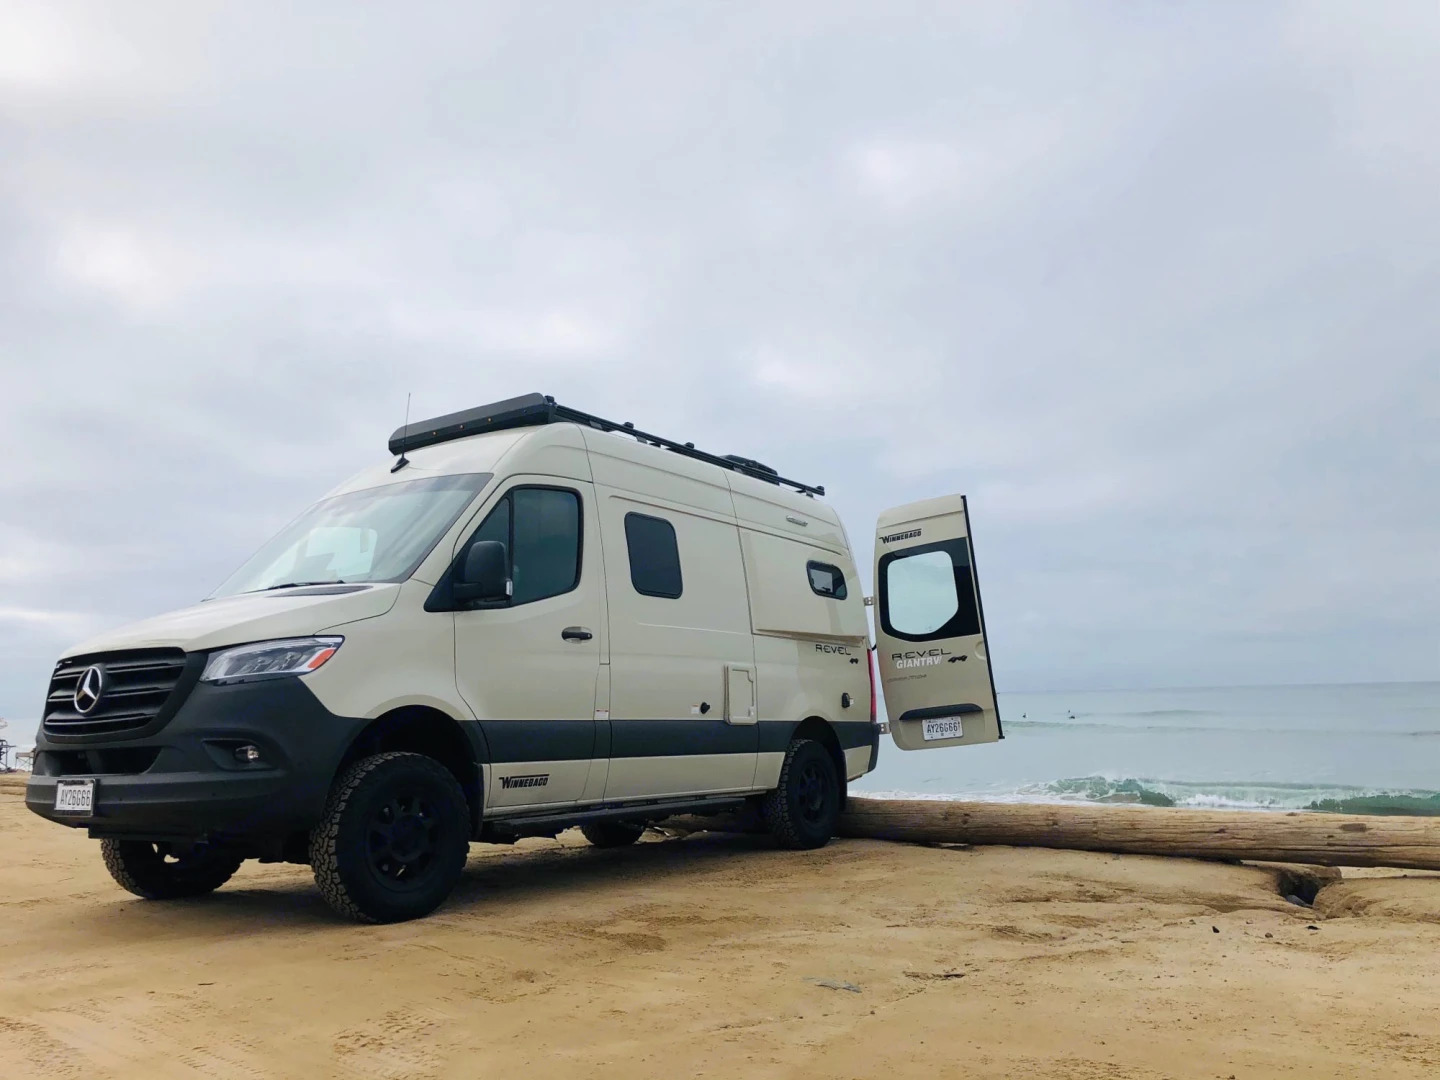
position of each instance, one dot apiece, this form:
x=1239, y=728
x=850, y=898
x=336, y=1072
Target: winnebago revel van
x=533, y=618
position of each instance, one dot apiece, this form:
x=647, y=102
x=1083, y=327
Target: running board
x=508, y=830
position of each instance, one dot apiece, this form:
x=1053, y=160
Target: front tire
x=802, y=810
x=612, y=834
x=394, y=838
x=152, y=871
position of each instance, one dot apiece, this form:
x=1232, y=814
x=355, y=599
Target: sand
x=720, y=956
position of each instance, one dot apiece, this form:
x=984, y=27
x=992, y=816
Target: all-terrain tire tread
x=324, y=851
x=178, y=883
x=612, y=834
x=776, y=807
x=115, y=863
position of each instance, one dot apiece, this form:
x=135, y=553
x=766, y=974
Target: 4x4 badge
x=89, y=689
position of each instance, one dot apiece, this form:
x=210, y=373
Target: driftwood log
x=1253, y=836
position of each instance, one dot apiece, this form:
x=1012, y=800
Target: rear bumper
x=184, y=782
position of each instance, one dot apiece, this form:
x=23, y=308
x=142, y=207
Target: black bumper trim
x=194, y=787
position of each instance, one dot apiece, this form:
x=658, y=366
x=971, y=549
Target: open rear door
x=930, y=628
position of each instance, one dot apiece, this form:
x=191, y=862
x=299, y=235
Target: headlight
x=270, y=659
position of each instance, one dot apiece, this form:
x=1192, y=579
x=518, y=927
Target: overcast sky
x=1158, y=286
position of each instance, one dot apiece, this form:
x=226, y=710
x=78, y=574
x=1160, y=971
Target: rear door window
x=928, y=593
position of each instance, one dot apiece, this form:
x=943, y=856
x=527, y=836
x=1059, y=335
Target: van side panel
x=669, y=654
x=622, y=463
x=782, y=600
x=771, y=508
x=746, y=599
x=800, y=679
x=809, y=649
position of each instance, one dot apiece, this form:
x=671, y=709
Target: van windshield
x=379, y=534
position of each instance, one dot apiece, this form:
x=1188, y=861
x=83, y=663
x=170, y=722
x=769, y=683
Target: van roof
x=530, y=410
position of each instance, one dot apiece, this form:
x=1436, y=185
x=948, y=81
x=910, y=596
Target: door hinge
x=869, y=601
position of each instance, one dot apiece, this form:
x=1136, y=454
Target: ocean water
x=1371, y=748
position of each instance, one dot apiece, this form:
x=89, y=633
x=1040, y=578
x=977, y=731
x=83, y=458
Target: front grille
x=135, y=686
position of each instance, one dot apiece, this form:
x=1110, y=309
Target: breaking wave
x=1118, y=728
x=1323, y=798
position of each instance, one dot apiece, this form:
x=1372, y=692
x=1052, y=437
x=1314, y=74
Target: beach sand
x=720, y=956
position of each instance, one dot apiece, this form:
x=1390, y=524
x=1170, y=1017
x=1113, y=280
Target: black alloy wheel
x=813, y=791
x=404, y=837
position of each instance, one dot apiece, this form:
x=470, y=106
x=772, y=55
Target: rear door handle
x=576, y=633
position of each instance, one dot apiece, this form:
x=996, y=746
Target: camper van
x=529, y=619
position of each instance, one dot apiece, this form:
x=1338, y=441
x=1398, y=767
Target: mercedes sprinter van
x=531, y=619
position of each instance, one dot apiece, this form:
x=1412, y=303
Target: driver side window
x=496, y=526
x=540, y=528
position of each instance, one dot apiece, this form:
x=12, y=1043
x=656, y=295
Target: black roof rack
x=531, y=410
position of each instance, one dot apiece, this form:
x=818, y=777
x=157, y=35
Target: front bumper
x=184, y=782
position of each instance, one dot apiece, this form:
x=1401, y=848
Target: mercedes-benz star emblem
x=89, y=689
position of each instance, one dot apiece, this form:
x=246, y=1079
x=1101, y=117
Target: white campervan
x=532, y=618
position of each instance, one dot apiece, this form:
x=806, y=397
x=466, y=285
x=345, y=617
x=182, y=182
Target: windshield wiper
x=301, y=584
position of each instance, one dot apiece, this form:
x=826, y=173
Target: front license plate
x=942, y=727
x=75, y=797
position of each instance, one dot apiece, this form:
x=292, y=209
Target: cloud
x=56, y=625
x=136, y=271
x=1155, y=288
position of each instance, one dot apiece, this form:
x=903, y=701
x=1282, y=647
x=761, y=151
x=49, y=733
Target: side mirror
x=483, y=576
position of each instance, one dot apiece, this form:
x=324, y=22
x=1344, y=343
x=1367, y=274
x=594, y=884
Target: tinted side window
x=928, y=593
x=496, y=525
x=826, y=580
x=654, y=556
x=540, y=528
x=545, y=554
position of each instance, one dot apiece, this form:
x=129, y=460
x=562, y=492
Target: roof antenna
x=406, y=429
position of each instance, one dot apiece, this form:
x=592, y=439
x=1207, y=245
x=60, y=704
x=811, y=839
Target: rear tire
x=612, y=834
x=802, y=810
x=394, y=838
x=151, y=871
